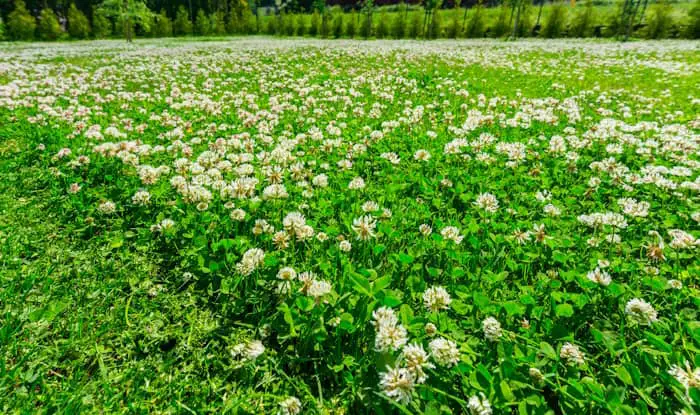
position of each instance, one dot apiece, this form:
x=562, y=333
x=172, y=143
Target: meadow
x=334, y=226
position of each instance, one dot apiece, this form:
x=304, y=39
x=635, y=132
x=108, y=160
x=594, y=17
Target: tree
x=338, y=25
x=182, y=25
x=101, y=25
x=78, y=23
x=202, y=25
x=475, y=27
x=20, y=24
x=381, y=29
x=581, y=23
x=218, y=23
x=128, y=13
x=628, y=16
x=398, y=26
x=162, y=26
x=554, y=26
x=49, y=28
x=693, y=29
x=659, y=21
x=351, y=27
x=415, y=28
x=366, y=25
x=313, y=25
x=430, y=6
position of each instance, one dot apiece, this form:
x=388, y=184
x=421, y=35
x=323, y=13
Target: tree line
x=82, y=19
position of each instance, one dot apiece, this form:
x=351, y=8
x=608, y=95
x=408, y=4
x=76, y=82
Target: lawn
x=289, y=226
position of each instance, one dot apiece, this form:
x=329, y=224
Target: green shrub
x=202, y=24
x=325, y=24
x=435, y=27
x=301, y=25
x=2, y=28
x=583, y=21
x=398, y=25
x=162, y=25
x=48, y=27
x=454, y=28
x=659, y=20
x=692, y=30
x=338, y=25
x=475, y=26
x=182, y=25
x=78, y=23
x=351, y=26
x=381, y=29
x=218, y=23
x=290, y=26
x=415, y=27
x=366, y=25
x=556, y=21
x=525, y=25
x=501, y=27
x=101, y=25
x=314, y=24
x=20, y=24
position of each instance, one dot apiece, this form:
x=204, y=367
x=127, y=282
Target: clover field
x=306, y=226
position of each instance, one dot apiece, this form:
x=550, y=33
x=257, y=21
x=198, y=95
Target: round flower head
x=398, y=384
x=492, y=329
x=444, y=352
x=436, y=299
x=640, y=312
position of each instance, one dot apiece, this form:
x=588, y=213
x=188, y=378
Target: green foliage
x=415, y=26
x=162, y=26
x=314, y=24
x=692, y=30
x=351, y=26
x=20, y=24
x=435, y=28
x=218, y=23
x=182, y=25
x=556, y=21
x=659, y=21
x=366, y=18
x=338, y=25
x=583, y=20
x=476, y=24
x=301, y=25
x=398, y=25
x=454, y=28
x=128, y=14
x=202, y=23
x=325, y=29
x=381, y=29
x=290, y=26
x=509, y=225
x=78, y=23
x=501, y=27
x=48, y=28
x=101, y=25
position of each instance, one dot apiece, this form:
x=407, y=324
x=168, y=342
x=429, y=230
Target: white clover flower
x=286, y=274
x=452, y=233
x=479, y=405
x=688, y=377
x=444, y=352
x=398, y=384
x=319, y=288
x=640, y=312
x=436, y=299
x=142, y=197
x=107, y=207
x=487, y=202
x=416, y=360
x=425, y=229
x=600, y=277
x=421, y=155
x=250, y=261
x=364, y=227
x=492, y=329
x=345, y=246
x=571, y=354
x=356, y=184
x=290, y=406
x=253, y=350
